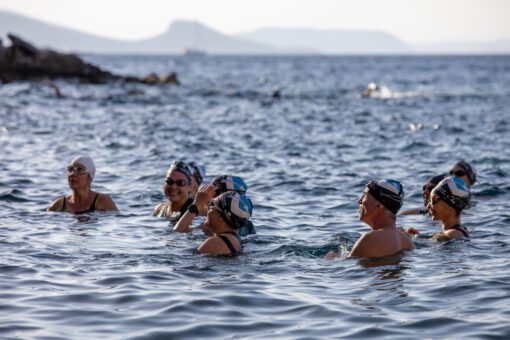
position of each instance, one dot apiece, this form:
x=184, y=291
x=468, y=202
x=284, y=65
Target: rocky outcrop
x=23, y=61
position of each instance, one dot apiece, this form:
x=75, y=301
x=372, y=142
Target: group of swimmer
x=227, y=207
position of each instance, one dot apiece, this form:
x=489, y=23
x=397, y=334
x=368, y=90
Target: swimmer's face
x=213, y=220
x=176, y=192
x=366, y=206
x=437, y=207
x=78, y=176
x=461, y=173
x=427, y=188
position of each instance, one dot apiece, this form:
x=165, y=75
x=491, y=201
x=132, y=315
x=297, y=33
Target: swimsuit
x=89, y=210
x=462, y=229
x=227, y=242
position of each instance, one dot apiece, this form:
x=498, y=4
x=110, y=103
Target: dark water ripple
x=305, y=157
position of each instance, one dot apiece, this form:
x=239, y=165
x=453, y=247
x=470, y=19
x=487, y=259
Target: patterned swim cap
x=468, y=169
x=229, y=183
x=198, y=172
x=454, y=191
x=388, y=192
x=182, y=168
x=235, y=208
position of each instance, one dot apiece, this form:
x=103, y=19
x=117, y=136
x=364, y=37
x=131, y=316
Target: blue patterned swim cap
x=197, y=171
x=226, y=183
x=235, y=208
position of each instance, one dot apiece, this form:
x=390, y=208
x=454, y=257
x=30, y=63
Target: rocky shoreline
x=23, y=61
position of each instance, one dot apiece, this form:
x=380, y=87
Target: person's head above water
x=226, y=183
x=177, y=186
x=429, y=185
x=233, y=208
x=465, y=171
x=198, y=172
x=84, y=164
x=451, y=195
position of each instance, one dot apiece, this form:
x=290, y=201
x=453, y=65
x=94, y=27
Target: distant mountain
x=183, y=35
x=180, y=36
x=331, y=41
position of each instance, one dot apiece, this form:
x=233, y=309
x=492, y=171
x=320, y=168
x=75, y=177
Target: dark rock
x=23, y=61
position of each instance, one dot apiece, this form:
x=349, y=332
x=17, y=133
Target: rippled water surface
x=305, y=157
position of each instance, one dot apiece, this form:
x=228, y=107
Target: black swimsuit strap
x=63, y=203
x=461, y=229
x=94, y=203
x=225, y=239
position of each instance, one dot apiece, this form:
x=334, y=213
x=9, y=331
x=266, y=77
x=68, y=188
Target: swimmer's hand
x=413, y=232
x=204, y=195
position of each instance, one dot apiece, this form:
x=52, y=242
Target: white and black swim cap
x=182, y=168
x=454, y=191
x=226, y=183
x=388, y=192
x=235, y=208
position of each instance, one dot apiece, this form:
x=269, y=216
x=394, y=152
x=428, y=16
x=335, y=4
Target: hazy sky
x=414, y=21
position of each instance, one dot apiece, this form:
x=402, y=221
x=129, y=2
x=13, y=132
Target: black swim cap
x=388, y=192
x=182, y=168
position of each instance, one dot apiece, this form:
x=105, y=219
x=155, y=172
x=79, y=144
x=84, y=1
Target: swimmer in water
x=427, y=188
x=371, y=88
x=80, y=173
x=225, y=215
x=177, y=188
x=464, y=171
x=378, y=206
x=219, y=185
x=447, y=200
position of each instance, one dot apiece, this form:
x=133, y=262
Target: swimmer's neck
x=386, y=226
x=450, y=222
x=81, y=195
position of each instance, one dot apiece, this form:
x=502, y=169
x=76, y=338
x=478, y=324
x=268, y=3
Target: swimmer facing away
x=80, y=173
x=447, y=200
x=225, y=215
x=378, y=206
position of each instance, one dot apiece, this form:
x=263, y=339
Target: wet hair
x=388, y=192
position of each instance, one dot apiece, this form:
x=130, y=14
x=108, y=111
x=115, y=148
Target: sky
x=414, y=21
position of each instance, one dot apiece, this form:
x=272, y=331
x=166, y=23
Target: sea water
x=305, y=156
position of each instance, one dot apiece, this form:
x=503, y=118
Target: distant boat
x=196, y=49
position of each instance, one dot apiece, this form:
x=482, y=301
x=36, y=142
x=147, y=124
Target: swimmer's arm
x=214, y=246
x=415, y=211
x=183, y=225
x=202, y=199
x=106, y=203
x=56, y=205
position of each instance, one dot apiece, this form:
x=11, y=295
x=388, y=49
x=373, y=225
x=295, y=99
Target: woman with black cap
x=177, y=189
x=225, y=215
x=447, y=200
